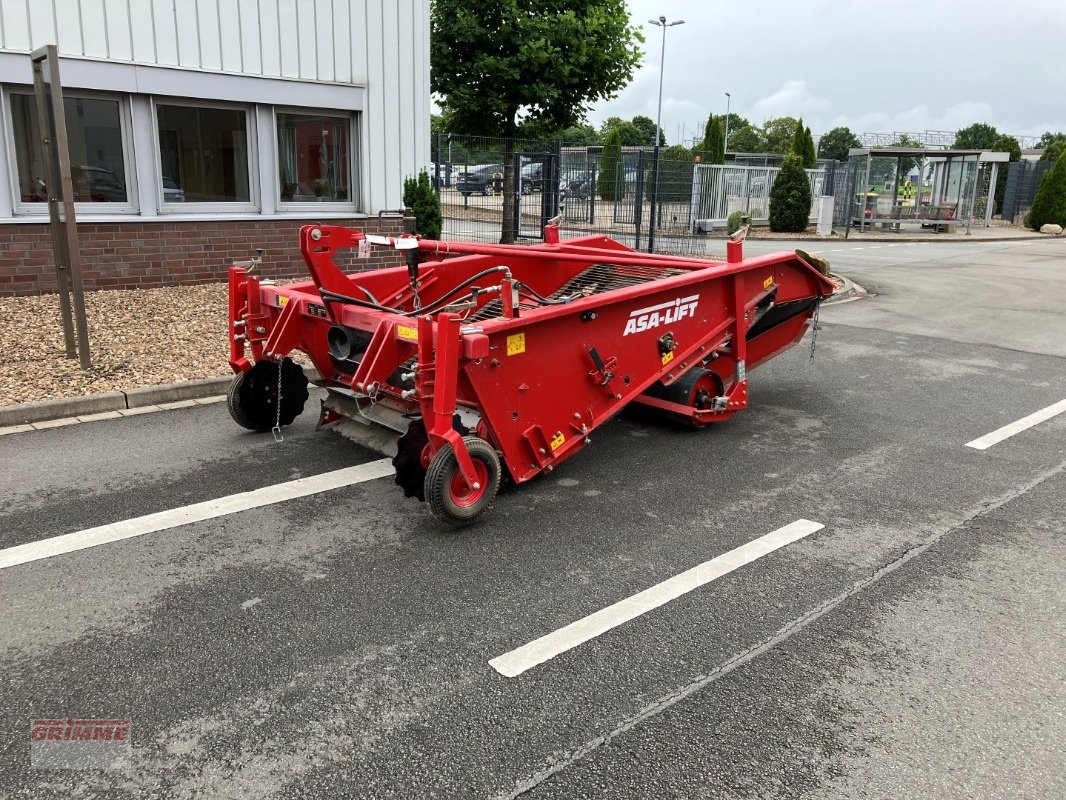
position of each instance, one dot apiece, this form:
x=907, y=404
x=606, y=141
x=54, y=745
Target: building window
x=314, y=158
x=203, y=154
x=95, y=141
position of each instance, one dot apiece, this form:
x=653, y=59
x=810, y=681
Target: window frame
x=252, y=205
x=355, y=201
x=129, y=162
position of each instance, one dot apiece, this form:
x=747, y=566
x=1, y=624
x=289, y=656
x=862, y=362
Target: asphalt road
x=338, y=644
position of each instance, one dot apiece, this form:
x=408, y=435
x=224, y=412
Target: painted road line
x=1024, y=423
x=197, y=512
x=547, y=647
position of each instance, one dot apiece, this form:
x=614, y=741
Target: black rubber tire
x=442, y=473
x=682, y=392
x=252, y=395
x=233, y=403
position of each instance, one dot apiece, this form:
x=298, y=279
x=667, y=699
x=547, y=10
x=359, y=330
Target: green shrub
x=675, y=175
x=1049, y=205
x=790, y=198
x=734, y=221
x=419, y=196
x=607, y=183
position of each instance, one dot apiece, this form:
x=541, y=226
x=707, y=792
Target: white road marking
x=253, y=602
x=989, y=439
x=547, y=647
x=197, y=512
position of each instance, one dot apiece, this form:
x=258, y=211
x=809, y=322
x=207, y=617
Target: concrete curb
x=66, y=407
x=111, y=404
x=849, y=290
x=942, y=239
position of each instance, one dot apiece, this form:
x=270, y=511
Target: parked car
x=172, y=193
x=97, y=185
x=578, y=185
x=532, y=177
x=483, y=179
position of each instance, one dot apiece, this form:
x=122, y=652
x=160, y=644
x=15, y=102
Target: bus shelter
x=895, y=188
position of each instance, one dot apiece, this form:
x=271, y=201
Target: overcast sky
x=877, y=67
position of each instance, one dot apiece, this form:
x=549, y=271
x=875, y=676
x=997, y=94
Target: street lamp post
x=662, y=23
x=725, y=147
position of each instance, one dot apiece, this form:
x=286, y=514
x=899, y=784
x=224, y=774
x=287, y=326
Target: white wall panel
x=249, y=25
x=305, y=39
x=357, y=40
x=165, y=30
x=270, y=37
x=230, y=36
x=324, y=57
x=187, y=30
x=342, y=48
x=142, y=32
x=288, y=39
x=405, y=71
x=207, y=24
x=375, y=153
x=381, y=45
x=16, y=27
x=42, y=24
x=68, y=29
x=93, y=28
x=117, y=20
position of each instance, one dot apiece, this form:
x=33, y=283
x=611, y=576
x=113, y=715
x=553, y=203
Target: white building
x=203, y=112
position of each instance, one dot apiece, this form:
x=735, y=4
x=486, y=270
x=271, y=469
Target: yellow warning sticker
x=668, y=357
x=407, y=332
x=558, y=441
x=516, y=344
x=282, y=300
x=766, y=284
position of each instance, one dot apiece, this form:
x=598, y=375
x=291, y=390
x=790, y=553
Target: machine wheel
x=410, y=469
x=252, y=396
x=696, y=388
x=449, y=498
x=410, y=461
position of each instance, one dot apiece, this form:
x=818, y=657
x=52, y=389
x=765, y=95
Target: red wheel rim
x=461, y=494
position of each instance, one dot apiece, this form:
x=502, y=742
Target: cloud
x=793, y=99
x=918, y=118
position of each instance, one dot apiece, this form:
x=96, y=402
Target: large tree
x=777, y=134
x=979, y=136
x=810, y=155
x=745, y=139
x=799, y=143
x=498, y=63
x=607, y=182
x=647, y=128
x=790, y=197
x=1049, y=205
x=712, y=149
x=835, y=144
x=630, y=134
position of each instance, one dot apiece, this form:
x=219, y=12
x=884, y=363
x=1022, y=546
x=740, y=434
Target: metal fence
x=721, y=189
x=648, y=209
x=1022, y=182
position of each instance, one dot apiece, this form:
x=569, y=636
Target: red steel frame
x=541, y=378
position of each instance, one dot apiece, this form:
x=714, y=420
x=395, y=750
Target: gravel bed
x=137, y=337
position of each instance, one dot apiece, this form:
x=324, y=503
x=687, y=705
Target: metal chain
x=276, y=430
x=814, y=328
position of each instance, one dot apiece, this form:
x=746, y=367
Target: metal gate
x=537, y=181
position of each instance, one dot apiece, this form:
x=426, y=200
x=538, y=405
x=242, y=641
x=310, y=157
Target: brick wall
x=126, y=255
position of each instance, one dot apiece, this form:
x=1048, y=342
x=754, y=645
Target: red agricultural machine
x=487, y=357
